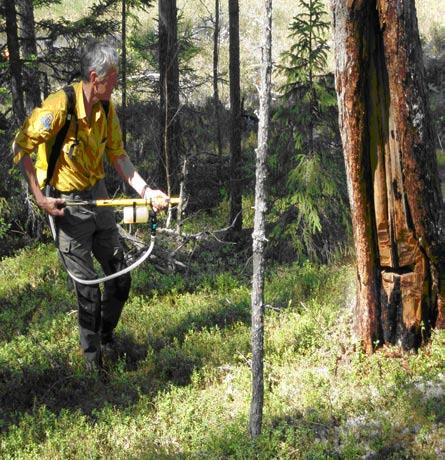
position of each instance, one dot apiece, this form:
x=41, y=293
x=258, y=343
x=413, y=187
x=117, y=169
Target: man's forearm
x=128, y=173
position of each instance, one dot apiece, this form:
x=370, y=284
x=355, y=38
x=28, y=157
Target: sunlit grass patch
x=161, y=318
x=33, y=291
x=29, y=267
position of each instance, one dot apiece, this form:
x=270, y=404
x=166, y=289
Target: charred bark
x=392, y=172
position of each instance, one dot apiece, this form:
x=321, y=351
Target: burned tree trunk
x=392, y=172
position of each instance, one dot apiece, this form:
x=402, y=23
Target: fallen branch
x=200, y=236
x=163, y=259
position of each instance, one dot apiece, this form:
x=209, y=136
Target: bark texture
x=392, y=171
x=259, y=230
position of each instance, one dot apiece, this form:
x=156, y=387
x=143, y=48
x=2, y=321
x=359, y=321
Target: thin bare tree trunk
x=216, y=101
x=169, y=97
x=32, y=93
x=15, y=64
x=182, y=195
x=235, y=119
x=29, y=47
x=259, y=230
x=392, y=171
x=123, y=112
x=124, y=72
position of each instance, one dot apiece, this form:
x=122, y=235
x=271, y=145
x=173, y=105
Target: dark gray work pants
x=84, y=232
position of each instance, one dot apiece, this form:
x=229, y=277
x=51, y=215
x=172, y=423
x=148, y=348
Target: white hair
x=99, y=56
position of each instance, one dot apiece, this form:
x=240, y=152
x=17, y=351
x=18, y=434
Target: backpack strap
x=106, y=107
x=60, y=138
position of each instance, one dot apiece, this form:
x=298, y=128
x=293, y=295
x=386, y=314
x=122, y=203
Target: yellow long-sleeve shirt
x=79, y=166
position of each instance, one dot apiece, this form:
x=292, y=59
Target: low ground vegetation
x=181, y=385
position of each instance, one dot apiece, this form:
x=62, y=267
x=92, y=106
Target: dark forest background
x=308, y=212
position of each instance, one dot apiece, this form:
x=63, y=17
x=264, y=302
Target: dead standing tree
x=259, y=230
x=393, y=181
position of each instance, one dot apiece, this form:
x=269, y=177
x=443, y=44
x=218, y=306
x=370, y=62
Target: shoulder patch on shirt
x=46, y=121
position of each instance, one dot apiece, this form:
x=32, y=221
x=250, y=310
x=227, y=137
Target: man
x=79, y=174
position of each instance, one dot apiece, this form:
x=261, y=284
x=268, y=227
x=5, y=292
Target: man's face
x=105, y=86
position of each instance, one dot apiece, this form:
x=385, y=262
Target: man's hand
x=52, y=206
x=158, y=198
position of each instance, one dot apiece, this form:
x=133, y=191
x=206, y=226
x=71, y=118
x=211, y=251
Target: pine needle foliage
x=312, y=205
x=306, y=58
x=143, y=49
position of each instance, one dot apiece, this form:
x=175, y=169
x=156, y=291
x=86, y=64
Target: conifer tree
x=306, y=63
x=126, y=6
x=315, y=195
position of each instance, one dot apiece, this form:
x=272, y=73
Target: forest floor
x=180, y=388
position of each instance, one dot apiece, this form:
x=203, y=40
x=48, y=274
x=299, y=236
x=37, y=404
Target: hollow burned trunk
x=392, y=172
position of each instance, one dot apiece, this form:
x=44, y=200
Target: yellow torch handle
x=132, y=202
x=118, y=202
x=121, y=202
